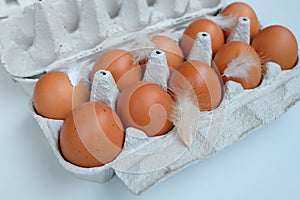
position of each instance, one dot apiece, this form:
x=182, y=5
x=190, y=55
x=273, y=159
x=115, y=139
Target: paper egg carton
x=144, y=160
x=240, y=112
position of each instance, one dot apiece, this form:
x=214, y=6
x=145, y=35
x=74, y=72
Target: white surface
x=265, y=165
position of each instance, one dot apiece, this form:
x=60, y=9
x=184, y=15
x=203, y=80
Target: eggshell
x=92, y=135
x=248, y=70
x=54, y=96
x=172, y=50
x=240, y=9
x=277, y=44
x=145, y=106
x=202, y=79
x=201, y=25
x=121, y=65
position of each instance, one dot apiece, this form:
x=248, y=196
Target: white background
x=265, y=165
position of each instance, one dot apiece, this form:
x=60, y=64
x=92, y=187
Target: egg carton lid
x=49, y=31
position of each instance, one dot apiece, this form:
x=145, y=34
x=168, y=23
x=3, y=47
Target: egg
x=54, y=96
x=121, y=65
x=240, y=9
x=145, y=106
x=202, y=79
x=238, y=61
x=92, y=135
x=201, y=25
x=172, y=50
x=277, y=44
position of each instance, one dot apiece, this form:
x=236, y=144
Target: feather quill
x=185, y=113
x=224, y=22
x=241, y=66
x=142, y=47
x=77, y=71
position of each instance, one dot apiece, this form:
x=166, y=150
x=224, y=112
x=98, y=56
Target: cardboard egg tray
x=144, y=160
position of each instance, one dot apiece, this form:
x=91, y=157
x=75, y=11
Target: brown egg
x=240, y=9
x=277, y=44
x=121, y=65
x=145, y=106
x=173, y=52
x=238, y=61
x=92, y=135
x=202, y=79
x=201, y=25
x=54, y=96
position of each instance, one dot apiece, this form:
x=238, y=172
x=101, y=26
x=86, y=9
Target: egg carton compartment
x=240, y=112
x=50, y=31
x=11, y=7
